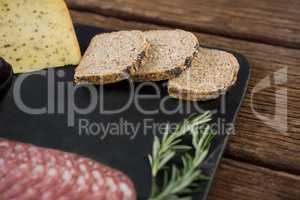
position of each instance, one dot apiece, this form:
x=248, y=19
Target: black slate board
x=130, y=156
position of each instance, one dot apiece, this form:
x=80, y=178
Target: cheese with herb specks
x=37, y=34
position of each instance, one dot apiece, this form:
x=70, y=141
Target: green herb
x=179, y=182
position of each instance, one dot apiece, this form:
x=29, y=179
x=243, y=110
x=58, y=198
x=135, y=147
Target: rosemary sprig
x=181, y=181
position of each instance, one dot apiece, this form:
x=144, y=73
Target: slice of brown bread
x=170, y=53
x=111, y=57
x=212, y=72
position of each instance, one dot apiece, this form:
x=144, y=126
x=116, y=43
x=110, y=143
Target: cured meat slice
x=68, y=176
x=28, y=172
x=18, y=166
x=29, y=159
x=83, y=181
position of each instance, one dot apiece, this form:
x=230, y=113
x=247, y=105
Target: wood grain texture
x=254, y=140
x=273, y=22
x=238, y=180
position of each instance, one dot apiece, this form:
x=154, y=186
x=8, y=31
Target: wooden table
x=261, y=162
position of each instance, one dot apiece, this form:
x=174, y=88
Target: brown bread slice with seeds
x=170, y=53
x=212, y=72
x=110, y=57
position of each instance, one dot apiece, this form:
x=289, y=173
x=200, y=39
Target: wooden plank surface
x=254, y=141
x=242, y=181
x=269, y=21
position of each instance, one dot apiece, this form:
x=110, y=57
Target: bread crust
x=165, y=74
x=159, y=73
x=101, y=80
x=157, y=76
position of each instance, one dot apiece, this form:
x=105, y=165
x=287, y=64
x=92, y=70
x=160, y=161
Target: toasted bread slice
x=212, y=72
x=111, y=57
x=170, y=53
x=37, y=34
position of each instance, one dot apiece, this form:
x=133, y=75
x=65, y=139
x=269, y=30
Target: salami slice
x=28, y=159
x=17, y=170
x=30, y=172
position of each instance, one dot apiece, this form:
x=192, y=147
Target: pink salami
x=31, y=172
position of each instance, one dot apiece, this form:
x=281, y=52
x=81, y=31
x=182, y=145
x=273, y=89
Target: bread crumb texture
x=169, y=51
x=211, y=72
x=111, y=57
x=37, y=34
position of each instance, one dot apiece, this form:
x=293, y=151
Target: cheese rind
x=37, y=34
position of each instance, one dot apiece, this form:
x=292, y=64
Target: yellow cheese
x=37, y=34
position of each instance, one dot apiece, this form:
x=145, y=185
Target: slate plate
x=52, y=129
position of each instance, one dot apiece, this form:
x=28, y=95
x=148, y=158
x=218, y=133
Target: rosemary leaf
x=180, y=182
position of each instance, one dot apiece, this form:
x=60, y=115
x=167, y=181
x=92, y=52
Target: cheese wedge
x=37, y=34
